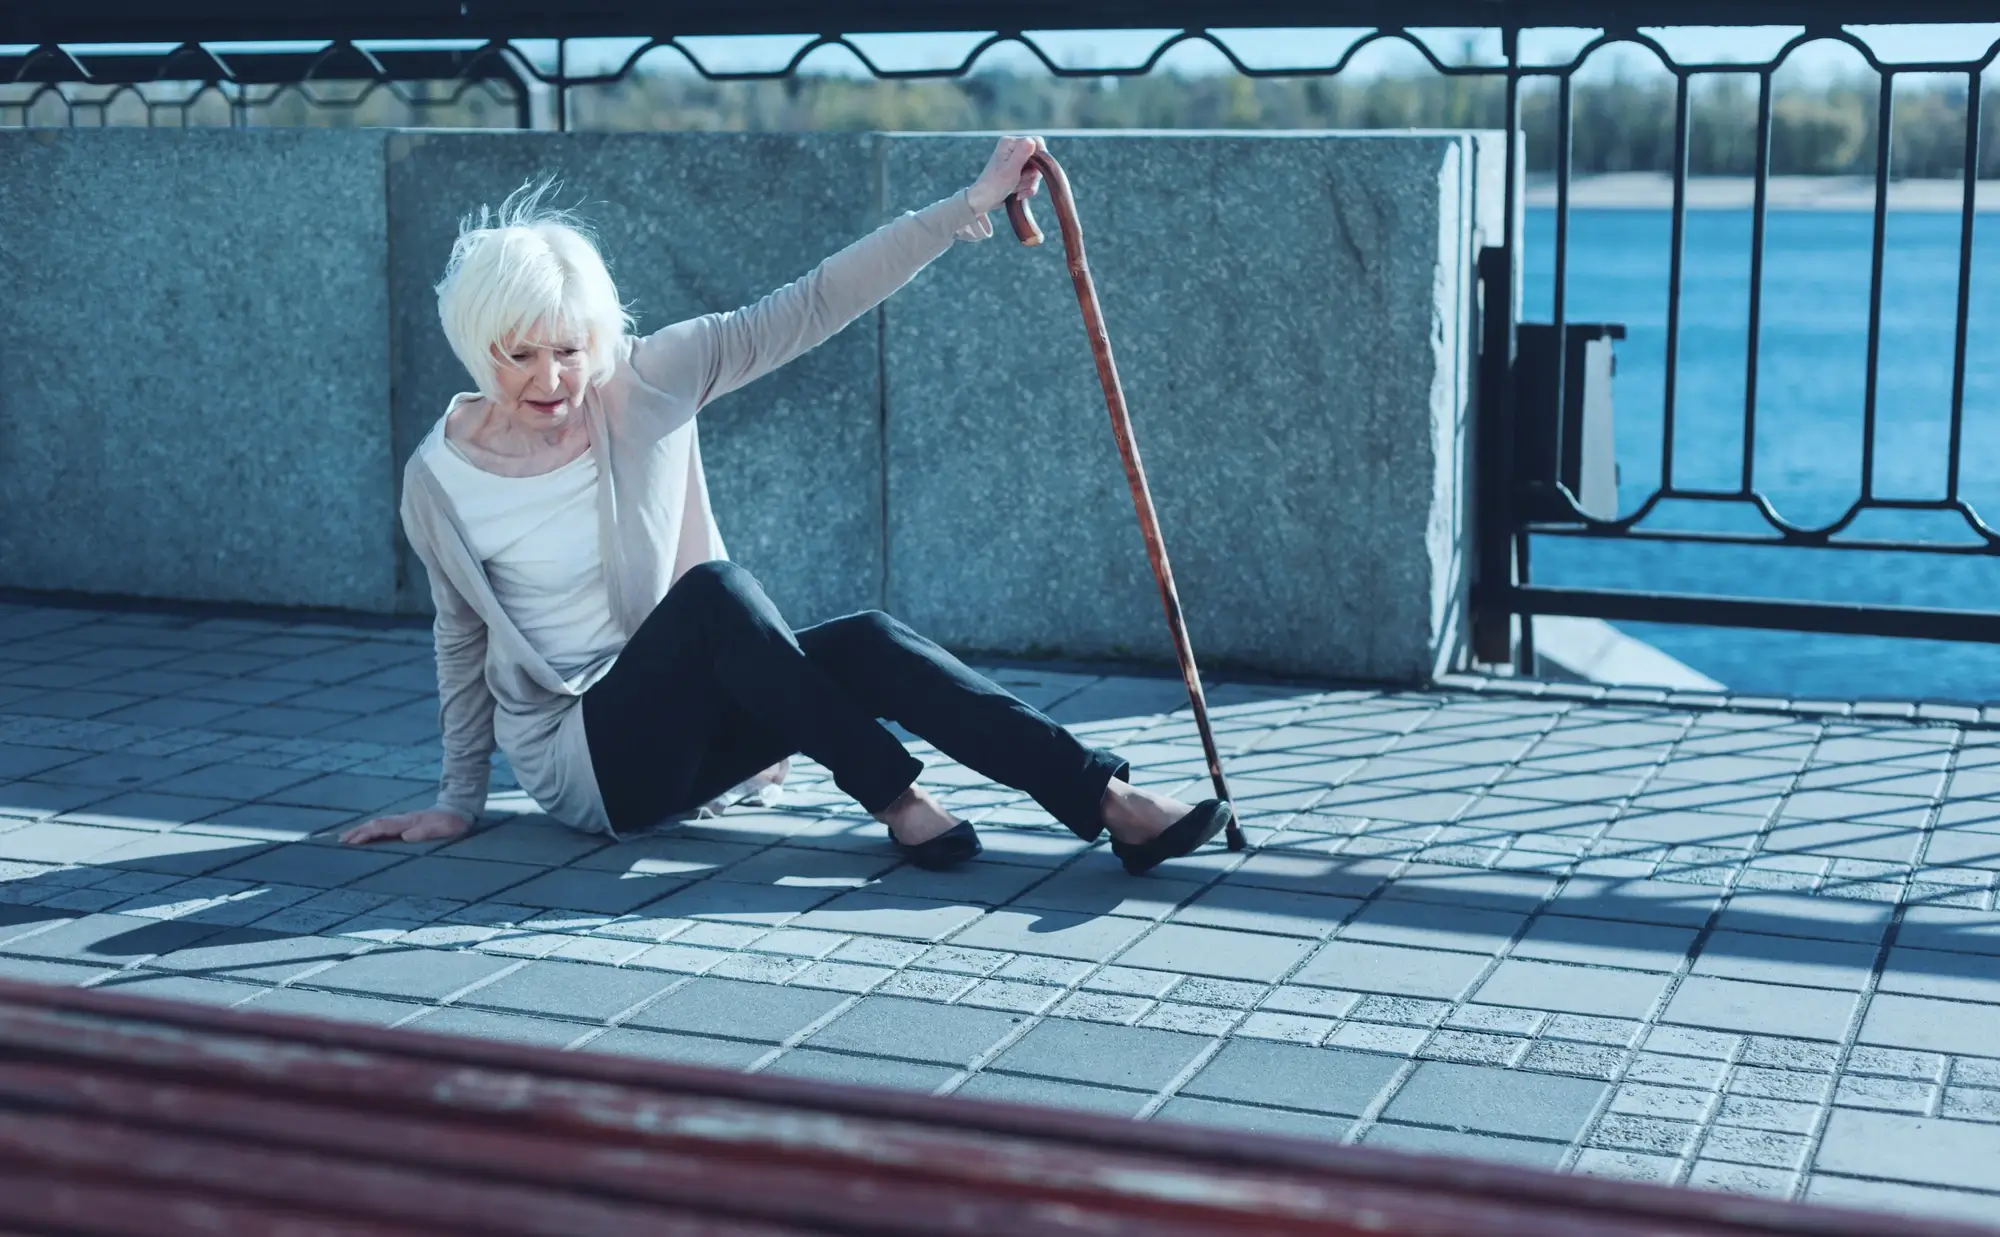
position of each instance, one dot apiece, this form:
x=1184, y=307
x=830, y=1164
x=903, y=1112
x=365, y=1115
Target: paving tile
x=49, y=971
x=1279, y=1075
x=1245, y=909
x=1403, y=1010
x=860, y=1071
x=1892, y=840
x=1636, y=901
x=526, y=842
x=1793, y=914
x=973, y=884
x=338, y=1006
x=1137, y=1058
x=276, y=721
x=1629, y=946
x=412, y=974
x=1971, y=1104
x=684, y=1049
x=255, y=955
x=1885, y=1094
x=436, y=876
x=737, y=1009
x=194, y=989
x=1579, y=990
x=723, y=902
x=350, y=793
x=112, y=940
x=1496, y=1018
x=51, y=842
x=279, y=822
x=1425, y=925
x=1092, y=890
x=1312, y=873
x=1757, y=1113
x=17, y=761
x=169, y=712
x=1627, y=1166
x=146, y=810
x=1215, y=951
x=180, y=854
x=1518, y=892
x=1889, y=1196
x=237, y=783
x=608, y=893
x=1798, y=1086
x=1462, y=1144
x=1946, y=928
x=1384, y=968
x=1950, y=847
x=1131, y=982
x=911, y=1030
x=507, y=1028
x=1059, y=934
x=1046, y=1092
x=1496, y=1101
x=1061, y=972
x=1689, y=828
x=1599, y=1061
x=1007, y=994
x=925, y=986
x=323, y=867
x=1778, y=1052
x=1764, y=1148
x=1668, y=1103
x=1893, y=1063
x=1761, y=1008
x=1931, y=1025
x=1616, y=1032
x=1787, y=960
x=1742, y=1179
x=1647, y=1135
x=1318, y=1002
x=577, y=990
x=1475, y=1048
x=1256, y=1120
x=750, y=865
x=74, y=703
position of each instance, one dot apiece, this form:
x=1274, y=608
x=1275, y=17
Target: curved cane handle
x=1017, y=209
x=1024, y=222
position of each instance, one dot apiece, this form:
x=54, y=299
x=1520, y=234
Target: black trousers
x=714, y=687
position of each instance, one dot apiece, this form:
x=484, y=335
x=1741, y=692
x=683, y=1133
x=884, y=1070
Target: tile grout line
x=1815, y=1137
x=1736, y=1057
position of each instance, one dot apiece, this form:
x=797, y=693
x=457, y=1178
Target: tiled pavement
x=1739, y=950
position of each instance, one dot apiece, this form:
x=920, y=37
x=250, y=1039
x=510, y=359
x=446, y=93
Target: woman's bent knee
x=717, y=578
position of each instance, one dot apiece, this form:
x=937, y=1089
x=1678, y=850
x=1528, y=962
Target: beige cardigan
x=653, y=509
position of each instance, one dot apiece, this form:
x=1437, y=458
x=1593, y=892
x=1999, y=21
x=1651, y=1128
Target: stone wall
x=213, y=383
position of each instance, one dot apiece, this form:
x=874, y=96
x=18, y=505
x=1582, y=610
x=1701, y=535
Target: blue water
x=1806, y=451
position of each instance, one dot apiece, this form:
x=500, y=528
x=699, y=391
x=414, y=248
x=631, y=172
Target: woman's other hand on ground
x=1007, y=172
x=429, y=825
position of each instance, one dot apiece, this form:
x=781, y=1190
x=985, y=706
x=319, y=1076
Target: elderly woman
x=588, y=619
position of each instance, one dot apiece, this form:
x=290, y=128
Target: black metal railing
x=1523, y=491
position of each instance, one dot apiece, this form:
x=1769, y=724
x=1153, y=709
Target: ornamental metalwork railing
x=1536, y=417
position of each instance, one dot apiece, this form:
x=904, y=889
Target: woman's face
x=540, y=378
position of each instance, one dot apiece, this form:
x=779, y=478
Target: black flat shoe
x=947, y=850
x=1184, y=837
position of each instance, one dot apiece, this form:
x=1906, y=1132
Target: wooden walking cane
x=1128, y=447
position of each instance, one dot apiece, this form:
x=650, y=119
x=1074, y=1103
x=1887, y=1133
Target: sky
x=1276, y=49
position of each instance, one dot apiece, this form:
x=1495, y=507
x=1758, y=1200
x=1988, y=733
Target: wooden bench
x=125, y=1115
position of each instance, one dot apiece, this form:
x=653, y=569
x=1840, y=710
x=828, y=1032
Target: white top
x=538, y=538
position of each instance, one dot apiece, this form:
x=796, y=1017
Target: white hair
x=523, y=266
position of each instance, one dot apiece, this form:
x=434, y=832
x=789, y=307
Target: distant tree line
x=1620, y=124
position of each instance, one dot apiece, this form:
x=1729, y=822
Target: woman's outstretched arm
x=707, y=357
